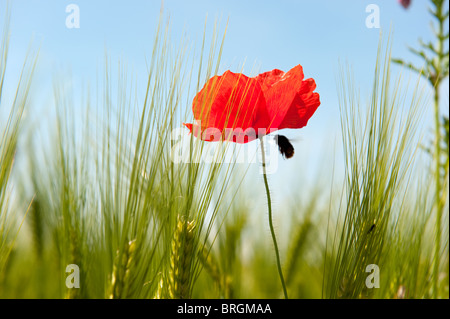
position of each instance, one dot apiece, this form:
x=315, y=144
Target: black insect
x=371, y=228
x=285, y=146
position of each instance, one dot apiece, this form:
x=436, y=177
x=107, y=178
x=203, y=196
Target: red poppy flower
x=240, y=109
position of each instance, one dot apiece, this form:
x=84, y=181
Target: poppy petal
x=267, y=79
x=303, y=108
x=282, y=89
x=290, y=99
x=231, y=101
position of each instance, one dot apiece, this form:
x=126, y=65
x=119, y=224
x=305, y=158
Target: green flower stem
x=272, y=231
x=439, y=206
x=438, y=193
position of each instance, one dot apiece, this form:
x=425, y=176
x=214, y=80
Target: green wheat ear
x=122, y=272
x=181, y=265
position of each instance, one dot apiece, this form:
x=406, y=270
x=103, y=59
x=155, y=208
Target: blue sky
x=269, y=34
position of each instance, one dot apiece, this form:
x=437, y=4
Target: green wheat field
x=95, y=207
